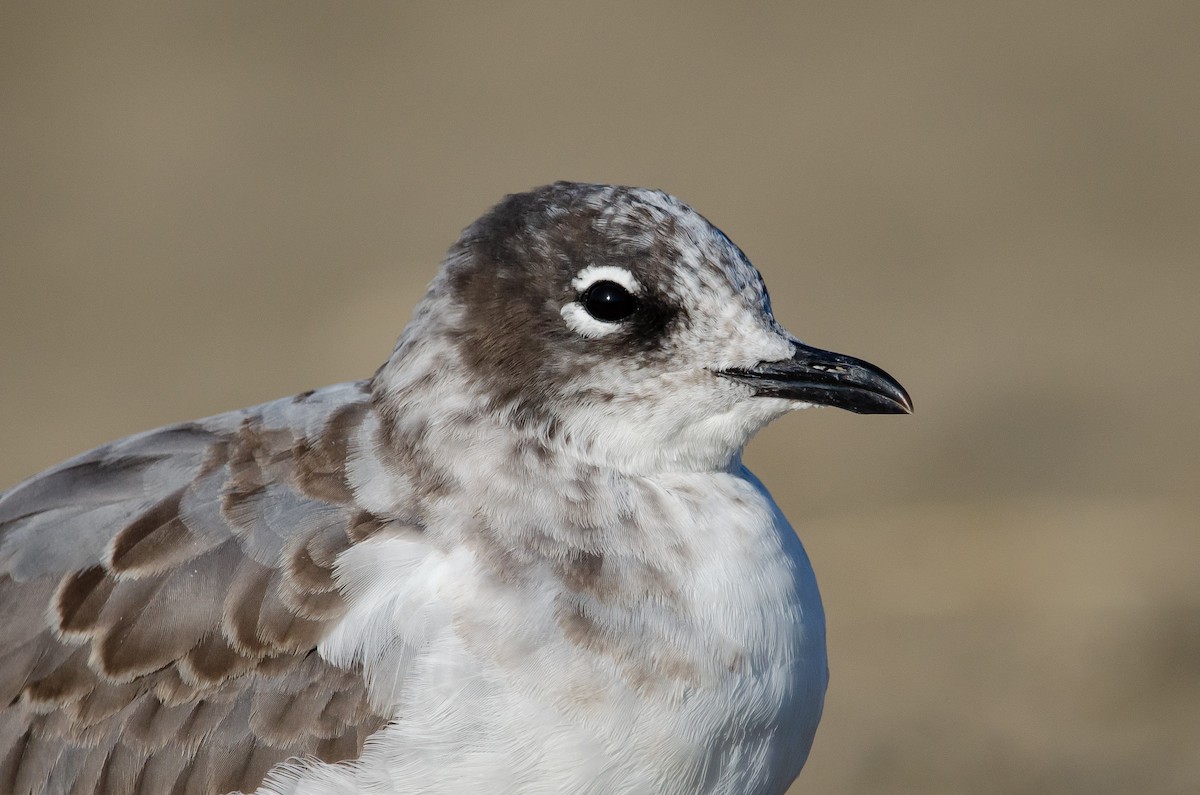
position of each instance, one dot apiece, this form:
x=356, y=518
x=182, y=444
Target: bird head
x=621, y=323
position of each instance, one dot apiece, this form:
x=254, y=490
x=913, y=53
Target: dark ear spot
x=511, y=274
x=653, y=320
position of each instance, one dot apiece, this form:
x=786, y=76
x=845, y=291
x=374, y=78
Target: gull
x=523, y=557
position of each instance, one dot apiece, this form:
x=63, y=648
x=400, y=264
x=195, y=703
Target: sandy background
x=999, y=203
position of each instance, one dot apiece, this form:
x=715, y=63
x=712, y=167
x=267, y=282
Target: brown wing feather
x=163, y=597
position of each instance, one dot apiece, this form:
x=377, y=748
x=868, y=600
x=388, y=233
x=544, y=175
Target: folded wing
x=163, y=597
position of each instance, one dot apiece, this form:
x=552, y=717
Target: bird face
x=625, y=320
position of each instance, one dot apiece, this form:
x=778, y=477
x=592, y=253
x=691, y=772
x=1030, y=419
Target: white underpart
x=492, y=699
x=577, y=318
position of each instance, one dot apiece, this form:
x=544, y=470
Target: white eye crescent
x=578, y=318
x=605, y=273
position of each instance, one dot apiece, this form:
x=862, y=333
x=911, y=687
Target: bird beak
x=827, y=379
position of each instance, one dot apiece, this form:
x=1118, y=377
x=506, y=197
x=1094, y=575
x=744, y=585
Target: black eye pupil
x=608, y=301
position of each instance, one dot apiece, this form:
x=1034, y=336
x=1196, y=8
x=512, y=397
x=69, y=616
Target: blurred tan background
x=998, y=202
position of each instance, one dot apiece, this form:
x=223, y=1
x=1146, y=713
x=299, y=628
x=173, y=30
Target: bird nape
x=523, y=557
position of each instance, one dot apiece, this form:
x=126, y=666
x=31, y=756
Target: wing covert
x=163, y=599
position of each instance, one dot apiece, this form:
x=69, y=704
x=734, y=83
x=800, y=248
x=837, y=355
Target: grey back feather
x=163, y=597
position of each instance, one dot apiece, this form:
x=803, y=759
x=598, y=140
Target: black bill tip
x=828, y=379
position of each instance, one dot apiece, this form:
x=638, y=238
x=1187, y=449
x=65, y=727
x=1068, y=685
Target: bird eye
x=608, y=301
